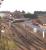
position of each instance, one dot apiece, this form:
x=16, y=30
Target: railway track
x=37, y=40
x=24, y=37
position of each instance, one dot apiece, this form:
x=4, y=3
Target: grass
x=6, y=44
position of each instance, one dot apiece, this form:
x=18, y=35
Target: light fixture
x=35, y=30
x=43, y=34
x=2, y=31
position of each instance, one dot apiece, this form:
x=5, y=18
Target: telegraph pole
x=0, y=34
x=0, y=27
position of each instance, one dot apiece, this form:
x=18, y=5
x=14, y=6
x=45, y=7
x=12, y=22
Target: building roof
x=43, y=19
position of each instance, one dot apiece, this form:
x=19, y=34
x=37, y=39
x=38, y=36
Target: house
x=40, y=13
x=41, y=16
x=4, y=13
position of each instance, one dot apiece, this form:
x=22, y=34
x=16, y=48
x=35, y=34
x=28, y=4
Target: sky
x=26, y=5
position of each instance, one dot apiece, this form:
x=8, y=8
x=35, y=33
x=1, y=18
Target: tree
x=1, y=1
x=29, y=15
x=23, y=11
